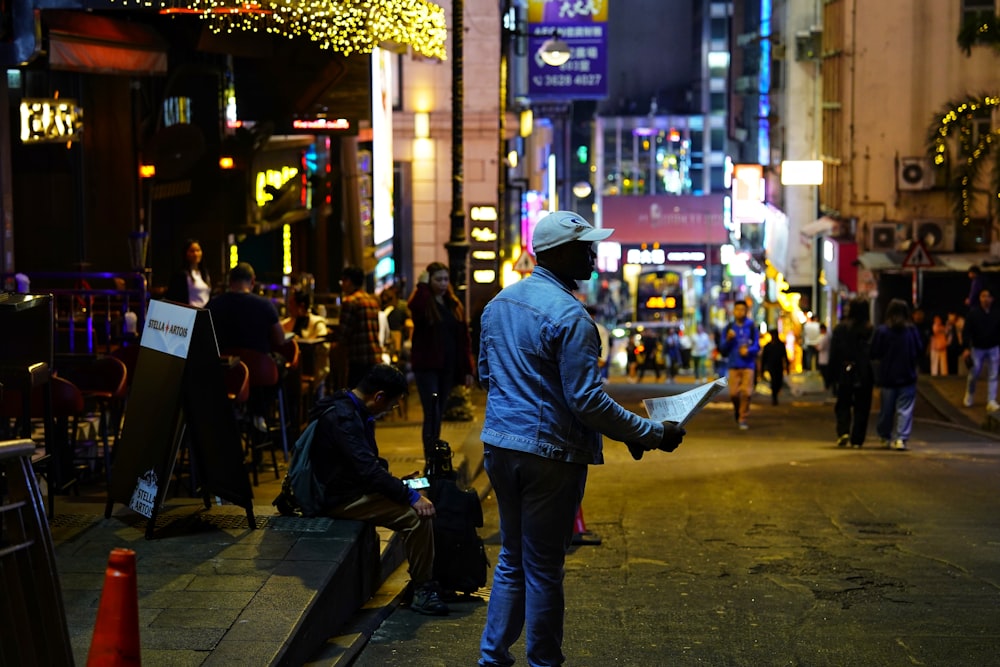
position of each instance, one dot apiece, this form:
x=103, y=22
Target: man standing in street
x=546, y=409
x=811, y=334
x=358, y=333
x=982, y=338
x=740, y=345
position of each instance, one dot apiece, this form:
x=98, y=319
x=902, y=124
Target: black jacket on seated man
x=344, y=457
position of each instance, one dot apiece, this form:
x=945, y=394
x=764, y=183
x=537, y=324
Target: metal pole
x=458, y=244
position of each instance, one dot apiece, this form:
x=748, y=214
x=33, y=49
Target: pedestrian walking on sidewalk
x=939, y=347
x=774, y=362
x=851, y=373
x=546, y=410
x=345, y=460
x=701, y=353
x=982, y=339
x=810, y=343
x=740, y=345
x=897, y=348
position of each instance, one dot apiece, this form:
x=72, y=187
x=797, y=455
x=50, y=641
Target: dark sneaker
x=427, y=600
x=285, y=506
x=843, y=440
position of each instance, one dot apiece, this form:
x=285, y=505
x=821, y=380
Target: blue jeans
x=896, y=410
x=537, y=499
x=434, y=387
x=981, y=357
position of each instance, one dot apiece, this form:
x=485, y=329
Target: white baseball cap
x=561, y=227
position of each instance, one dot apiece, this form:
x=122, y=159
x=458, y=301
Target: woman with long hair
x=897, y=347
x=851, y=374
x=440, y=351
x=191, y=284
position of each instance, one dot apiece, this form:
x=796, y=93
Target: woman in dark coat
x=774, y=360
x=850, y=371
x=440, y=353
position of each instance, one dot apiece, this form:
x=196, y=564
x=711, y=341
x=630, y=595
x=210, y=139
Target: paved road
x=767, y=547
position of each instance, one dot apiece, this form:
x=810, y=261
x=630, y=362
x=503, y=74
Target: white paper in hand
x=682, y=407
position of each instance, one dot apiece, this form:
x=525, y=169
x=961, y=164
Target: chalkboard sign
x=178, y=385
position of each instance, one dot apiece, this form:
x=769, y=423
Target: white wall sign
x=168, y=328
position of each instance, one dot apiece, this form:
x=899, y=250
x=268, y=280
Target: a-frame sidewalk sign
x=178, y=387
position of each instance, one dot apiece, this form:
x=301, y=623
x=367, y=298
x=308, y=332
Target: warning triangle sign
x=918, y=257
x=524, y=263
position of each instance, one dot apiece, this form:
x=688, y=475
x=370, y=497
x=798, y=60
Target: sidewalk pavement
x=213, y=592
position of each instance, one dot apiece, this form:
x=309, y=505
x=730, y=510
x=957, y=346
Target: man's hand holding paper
x=673, y=434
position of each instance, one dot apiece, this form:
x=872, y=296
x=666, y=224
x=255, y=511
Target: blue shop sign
x=583, y=76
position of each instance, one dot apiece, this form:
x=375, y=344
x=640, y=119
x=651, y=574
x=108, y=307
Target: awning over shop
x=824, y=225
x=889, y=261
x=666, y=219
x=880, y=261
x=82, y=42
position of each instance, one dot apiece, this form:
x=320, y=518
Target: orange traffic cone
x=580, y=533
x=116, y=633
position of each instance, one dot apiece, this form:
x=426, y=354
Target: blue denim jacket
x=538, y=363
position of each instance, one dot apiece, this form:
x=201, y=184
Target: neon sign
x=322, y=124
x=274, y=178
x=50, y=120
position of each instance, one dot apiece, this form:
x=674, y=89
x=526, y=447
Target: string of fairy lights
x=345, y=26
x=960, y=117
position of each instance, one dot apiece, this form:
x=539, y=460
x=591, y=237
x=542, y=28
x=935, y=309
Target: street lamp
x=457, y=245
x=554, y=51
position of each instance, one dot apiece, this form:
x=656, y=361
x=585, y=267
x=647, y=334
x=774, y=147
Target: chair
x=56, y=464
x=237, y=378
x=315, y=367
x=264, y=390
x=129, y=355
x=104, y=384
x=291, y=389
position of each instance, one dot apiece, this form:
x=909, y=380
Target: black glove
x=672, y=436
x=635, y=449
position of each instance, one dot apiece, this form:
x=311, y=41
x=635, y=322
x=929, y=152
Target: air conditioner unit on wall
x=915, y=173
x=886, y=236
x=937, y=235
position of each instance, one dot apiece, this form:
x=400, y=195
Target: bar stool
x=264, y=390
x=34, y=631
x=104, y=385
x=291, y=393
x=56, y=464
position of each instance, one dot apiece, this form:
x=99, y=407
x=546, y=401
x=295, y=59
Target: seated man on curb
x=344, y=458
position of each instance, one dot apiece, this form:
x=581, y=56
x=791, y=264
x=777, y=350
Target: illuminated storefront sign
x=50, y=120
x=275, y=178
x=646, y=256
x=383, y=222
x=657, y=255
x=484, y=251
x=583, y=26
x=322, y=124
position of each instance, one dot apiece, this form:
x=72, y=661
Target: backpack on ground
x=460, y=563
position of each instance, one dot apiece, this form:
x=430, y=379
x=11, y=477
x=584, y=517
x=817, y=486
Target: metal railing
x=93, y=311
